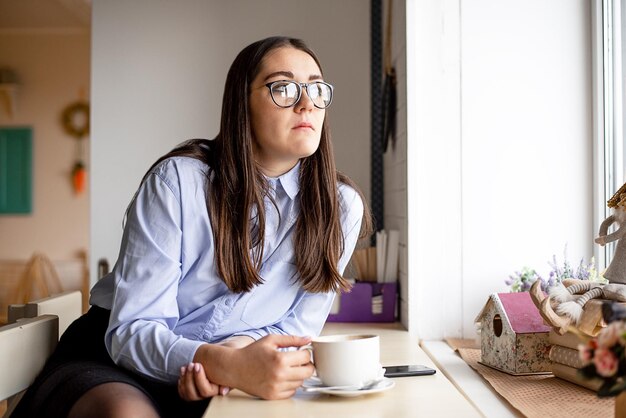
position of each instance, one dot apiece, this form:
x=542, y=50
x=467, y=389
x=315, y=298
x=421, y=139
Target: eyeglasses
x=287, y=93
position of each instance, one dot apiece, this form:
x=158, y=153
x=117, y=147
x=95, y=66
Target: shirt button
x=228, y=302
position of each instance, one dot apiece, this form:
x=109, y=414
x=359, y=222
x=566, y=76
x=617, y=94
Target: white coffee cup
x=346, y=360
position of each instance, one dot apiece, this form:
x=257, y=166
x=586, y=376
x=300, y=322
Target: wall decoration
x=16, y=170
x=75, y=119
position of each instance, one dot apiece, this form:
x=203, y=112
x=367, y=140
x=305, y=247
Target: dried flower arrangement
x=522, y=280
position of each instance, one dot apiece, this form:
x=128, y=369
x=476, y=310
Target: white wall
x=500, y=144
x=53, y=71
x=160, y=82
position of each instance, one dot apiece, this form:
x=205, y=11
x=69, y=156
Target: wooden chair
x=22, y=281
x=24, y=348
x=67, y=306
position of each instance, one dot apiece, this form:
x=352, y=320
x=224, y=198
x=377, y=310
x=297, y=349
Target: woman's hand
x=193, y=384
x=259, y=368
x=238, y=341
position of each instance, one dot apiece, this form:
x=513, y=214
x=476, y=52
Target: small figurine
x=616, y=272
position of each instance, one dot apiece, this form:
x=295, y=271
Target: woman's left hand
x=193, y=384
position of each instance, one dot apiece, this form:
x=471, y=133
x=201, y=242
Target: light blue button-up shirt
x=165, y=293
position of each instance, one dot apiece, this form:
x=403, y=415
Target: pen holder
x=358, y=305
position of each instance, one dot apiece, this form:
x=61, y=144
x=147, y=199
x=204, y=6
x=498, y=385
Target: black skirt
x=81, y=362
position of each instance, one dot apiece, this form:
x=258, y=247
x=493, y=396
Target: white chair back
x=24, y=348
x=67, y=306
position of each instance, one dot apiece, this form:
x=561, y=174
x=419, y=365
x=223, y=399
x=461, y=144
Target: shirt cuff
x=182, y=354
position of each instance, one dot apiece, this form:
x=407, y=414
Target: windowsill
x=478, y=392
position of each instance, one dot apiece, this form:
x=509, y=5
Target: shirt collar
x=290, y=181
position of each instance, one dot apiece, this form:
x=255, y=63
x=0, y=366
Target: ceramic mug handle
x=308, y=347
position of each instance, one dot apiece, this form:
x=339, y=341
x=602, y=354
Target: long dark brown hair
x=238, y=186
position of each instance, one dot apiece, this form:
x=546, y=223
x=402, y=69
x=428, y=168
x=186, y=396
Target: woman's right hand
x=260, y=369
x=272, y=374
x=238, y=341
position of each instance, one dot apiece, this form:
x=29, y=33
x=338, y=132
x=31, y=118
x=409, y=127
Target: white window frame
x=608, y=140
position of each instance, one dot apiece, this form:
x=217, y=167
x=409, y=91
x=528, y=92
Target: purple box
x=356, y=306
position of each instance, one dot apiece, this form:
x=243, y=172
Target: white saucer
x=382, y=386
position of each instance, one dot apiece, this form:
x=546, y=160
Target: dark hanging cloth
x=390, y=101
x=390, y=104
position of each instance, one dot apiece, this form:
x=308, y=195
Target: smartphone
x=408, y=370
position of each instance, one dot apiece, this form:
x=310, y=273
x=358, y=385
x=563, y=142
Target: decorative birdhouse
x=513, y=337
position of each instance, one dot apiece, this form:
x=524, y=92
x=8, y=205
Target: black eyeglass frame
x=300, y=86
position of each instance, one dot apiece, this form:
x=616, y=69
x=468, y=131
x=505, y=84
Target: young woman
x=232, y=252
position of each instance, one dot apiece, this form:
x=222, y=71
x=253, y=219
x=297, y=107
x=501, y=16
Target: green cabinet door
x=16, y=170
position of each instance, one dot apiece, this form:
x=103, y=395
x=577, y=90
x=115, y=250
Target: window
x=609, y=60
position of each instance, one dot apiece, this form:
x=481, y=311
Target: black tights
x=114, y=399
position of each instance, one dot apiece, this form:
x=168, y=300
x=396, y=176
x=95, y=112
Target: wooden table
x=422, y=396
